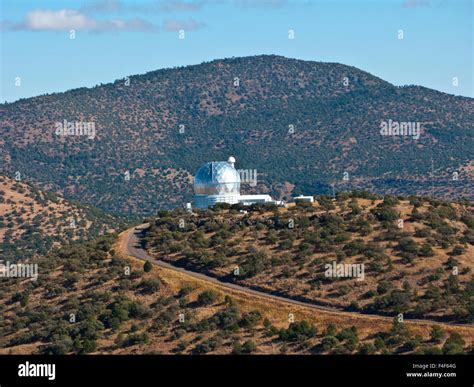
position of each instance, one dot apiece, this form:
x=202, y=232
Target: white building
x=251, y=199
x=301, y=198
x=219, y=182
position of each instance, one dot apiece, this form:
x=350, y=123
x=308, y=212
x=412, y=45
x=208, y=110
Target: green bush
x=147, y=267
x=298, y=331
x=246, y=348
x=149, y=286
x=207, y=297
x=437, y=333
x=454, y=344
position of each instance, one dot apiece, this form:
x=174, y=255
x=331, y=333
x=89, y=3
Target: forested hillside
x=300, y=124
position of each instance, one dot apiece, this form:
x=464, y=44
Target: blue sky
x=119, y=38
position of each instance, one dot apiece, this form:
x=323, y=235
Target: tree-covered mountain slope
x=302, y=125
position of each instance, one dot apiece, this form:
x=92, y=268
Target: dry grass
x=278, y=312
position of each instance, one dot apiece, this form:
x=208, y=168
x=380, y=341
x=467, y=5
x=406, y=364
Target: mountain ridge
x=164, y=70
x=139, y=131
x=230, y=59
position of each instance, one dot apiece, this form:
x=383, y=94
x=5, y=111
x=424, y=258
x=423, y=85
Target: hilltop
x=300, y=124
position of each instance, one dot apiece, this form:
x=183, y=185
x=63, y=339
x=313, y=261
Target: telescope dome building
x=219, y=182
x=216, y=182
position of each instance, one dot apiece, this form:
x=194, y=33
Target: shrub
x=135, y=338
x=348, y=334
x=185, y=290
x=149, y=286
x=454, y=344
x=367, y=349
x=254, y=264
x=468, y=220
x=457, y=250
x=227, y=319
x=426, y=250
x=328, y=343
x=426, y=350
x=147, y=267
x=390, y=201
x=386, y=214
x=408, y=245
x=383, y=287
x=354, y=247
x=88, y=346
x=353, y=306
x=246, y=348
x=207, y=346
x=437, y=333
x=330, y=330
x=251, y=319
x=60, y=346
x=422, y=232
x=298, y=331
x=207, y=297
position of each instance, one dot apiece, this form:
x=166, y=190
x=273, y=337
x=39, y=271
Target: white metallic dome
x=217, y=178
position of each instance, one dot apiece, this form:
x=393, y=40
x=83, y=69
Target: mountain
x=300, y=124
x=33, y=222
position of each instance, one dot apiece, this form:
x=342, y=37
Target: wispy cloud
x=180, y=5
x=99, y=6
x=186, y=25
x=71, y=19
x=415, y=3
x=260, y=3
x=115, y=6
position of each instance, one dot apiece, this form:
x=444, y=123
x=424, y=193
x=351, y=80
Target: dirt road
x=130, y=245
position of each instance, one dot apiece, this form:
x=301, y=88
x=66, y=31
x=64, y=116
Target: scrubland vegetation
x=88, y=299
x=417, y=252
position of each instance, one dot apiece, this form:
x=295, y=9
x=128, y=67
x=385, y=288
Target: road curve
x=131, y=246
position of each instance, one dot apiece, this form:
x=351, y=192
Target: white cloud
x=104, y=6
x=63, y=19
x=71, y=19
x=186, y=25
x=180, y=5
x=260, y=3
x=80, y=20
x=114, y=6
x=415, y=3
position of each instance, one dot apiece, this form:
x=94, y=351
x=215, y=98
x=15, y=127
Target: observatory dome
x=217, y=178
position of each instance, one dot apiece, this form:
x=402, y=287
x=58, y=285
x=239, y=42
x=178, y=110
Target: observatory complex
x=219, y=182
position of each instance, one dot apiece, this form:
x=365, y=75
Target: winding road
x=130, y=245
